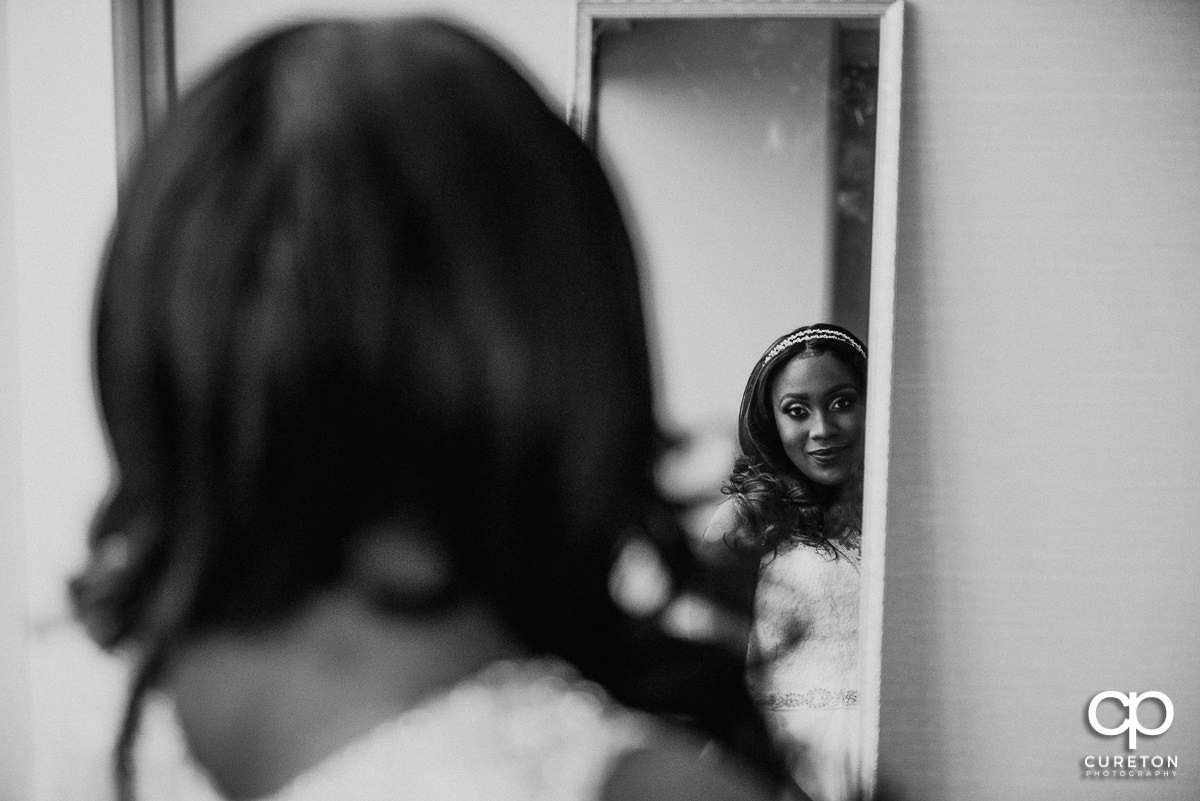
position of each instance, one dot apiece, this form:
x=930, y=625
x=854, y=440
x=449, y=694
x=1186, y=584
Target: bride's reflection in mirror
x=792, y=520
x=755, y=149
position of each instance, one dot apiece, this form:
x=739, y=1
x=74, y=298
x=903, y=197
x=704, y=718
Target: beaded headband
x=813, y=333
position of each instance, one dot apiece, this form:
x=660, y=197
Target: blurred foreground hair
x=364, y=274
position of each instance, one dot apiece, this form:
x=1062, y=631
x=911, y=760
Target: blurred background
x=1044, y=496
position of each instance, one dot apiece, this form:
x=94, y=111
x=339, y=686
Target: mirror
x=756, y=149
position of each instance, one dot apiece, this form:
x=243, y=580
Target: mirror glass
x=755, y=148
x=744, y=149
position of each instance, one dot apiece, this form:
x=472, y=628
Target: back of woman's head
x=364, y=279
x=363, y=273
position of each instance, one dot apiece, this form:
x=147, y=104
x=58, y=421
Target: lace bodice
x=806, y=628
x=529, y=730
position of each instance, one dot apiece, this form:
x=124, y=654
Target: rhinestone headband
x=812, y=333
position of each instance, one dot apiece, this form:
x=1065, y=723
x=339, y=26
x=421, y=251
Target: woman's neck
x=847, y=493
x=258, y=709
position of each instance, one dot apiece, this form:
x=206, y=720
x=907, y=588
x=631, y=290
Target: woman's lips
x=826, y=455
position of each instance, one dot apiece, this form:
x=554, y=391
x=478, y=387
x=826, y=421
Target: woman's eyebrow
x=807, y=396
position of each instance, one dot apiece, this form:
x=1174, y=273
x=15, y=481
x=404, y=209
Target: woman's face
x=820, y=411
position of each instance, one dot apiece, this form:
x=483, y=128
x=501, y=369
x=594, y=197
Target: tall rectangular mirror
x=755, y=145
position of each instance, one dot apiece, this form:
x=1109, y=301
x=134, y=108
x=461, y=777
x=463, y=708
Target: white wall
x=719, y=135
x=57, y=147
x=1045, y=512
x=536, y=32
x=15, y=709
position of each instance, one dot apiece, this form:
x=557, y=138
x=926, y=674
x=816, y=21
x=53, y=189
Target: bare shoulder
x=724, y=520
x=681, y=771
x=716, y=547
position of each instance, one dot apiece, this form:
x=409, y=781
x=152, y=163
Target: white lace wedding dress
x=806, y=637
x=526, y=730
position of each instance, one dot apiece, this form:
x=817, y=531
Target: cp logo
x=1132, y=724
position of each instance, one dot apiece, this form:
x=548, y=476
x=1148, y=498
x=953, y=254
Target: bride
x=793, y=517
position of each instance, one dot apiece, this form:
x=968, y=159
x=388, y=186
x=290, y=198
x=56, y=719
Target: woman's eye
x=843, y=402
x=795, y=411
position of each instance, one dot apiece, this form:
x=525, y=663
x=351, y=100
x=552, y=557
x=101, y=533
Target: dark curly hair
x=775, y=503
x=362, y=272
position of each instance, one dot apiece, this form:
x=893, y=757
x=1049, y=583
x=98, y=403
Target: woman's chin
x=836, y=478
x=832, y=478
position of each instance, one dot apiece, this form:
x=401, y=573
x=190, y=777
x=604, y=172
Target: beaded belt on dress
x=816, y=698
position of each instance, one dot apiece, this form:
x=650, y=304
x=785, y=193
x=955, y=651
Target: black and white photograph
x=599, y=400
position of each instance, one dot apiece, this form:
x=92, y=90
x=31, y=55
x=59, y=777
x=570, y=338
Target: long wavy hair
x=363, y=272
x=775, y=503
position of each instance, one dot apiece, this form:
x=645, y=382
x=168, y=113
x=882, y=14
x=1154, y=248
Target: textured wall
x=1046, y=442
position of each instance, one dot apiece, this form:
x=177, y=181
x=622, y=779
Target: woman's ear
x=400, y=568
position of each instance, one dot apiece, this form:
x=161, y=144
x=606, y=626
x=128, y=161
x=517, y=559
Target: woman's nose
x=822, y=426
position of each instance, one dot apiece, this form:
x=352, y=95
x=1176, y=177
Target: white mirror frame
x=890, y=15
